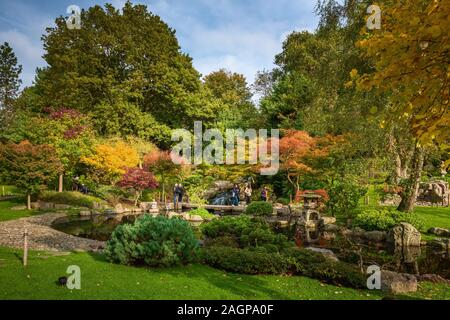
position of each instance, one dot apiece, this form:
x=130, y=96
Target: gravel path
x=41, y=236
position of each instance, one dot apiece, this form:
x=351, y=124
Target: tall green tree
x=9, y=79
x=120, y=57
x=235, y=96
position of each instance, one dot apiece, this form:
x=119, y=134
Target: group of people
x=236, y=194
x=179, y=193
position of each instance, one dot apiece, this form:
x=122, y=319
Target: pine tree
x=9, y=76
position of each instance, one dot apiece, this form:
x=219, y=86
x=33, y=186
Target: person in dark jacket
x=264, y=194
x=180, y=193
x=235, y=196
x=176, y=195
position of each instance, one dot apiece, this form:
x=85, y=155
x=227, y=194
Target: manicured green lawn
x=431, y=216
x=7, y=214
x=8, y=190
x=103, y=280
x=434, y=216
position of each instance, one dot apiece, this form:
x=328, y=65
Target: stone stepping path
x=41, y=236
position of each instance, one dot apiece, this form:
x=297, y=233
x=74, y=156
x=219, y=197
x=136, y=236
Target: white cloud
x=28, y=52
x=242, y=36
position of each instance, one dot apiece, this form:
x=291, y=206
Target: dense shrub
x=283, y=201
x=344, y=198
x=202, y=212
x=261, y=237
x=410, y=218
x=315, y=265
x=229, y=226
x=71, y=198
x=246, y=261
x=374, y=220
x=223, y=241
x=291, y=261
x=385, y=219
x=246, y=232
x=259, y=208
x=152, y=241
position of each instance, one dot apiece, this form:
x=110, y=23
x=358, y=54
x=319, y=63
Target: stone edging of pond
x=41, y=235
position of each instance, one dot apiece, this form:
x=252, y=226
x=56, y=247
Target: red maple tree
x=138, y=180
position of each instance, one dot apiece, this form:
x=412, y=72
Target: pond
x=413, y=260
x=96, y=227
x=99, y=227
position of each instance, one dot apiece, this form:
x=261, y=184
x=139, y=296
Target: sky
x=239, y=35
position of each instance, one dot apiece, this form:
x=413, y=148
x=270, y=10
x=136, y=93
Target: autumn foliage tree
x=110, y=160
x=299, y=153
x=138, y=180
x=29, y=167
x=161, y=164
x=410, y=55
x=295, y=148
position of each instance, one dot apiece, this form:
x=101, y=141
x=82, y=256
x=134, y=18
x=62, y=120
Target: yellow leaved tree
x=110, y=160
x=411, y=54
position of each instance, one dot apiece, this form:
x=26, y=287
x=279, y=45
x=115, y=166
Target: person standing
x=234, y=196
x=176, y=195
x=180, y=193
x=238, y=193
x=264, y=194
x=248, y=193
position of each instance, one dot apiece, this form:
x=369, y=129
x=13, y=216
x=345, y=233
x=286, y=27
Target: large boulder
x=216, y=188
x=404, y=234
x=375, y=236
x=149, y=206
x=433, y=193
x=331, y=228
x=59, y=206
x=324, y=221
x=35, y=205
x=434, y=278
x=172, y=214
x=196, y=218
x=98, y=206
x=440, y=244
x=325, y=252
x=397, y=283
x=46, y=205
x=441, y=232
x=119, y=209
x=85, y=213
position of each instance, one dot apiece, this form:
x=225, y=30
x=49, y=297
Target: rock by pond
x=404, y=234
x=372, y=247
x=325, y=252
x=441, y=232
x=396, y=283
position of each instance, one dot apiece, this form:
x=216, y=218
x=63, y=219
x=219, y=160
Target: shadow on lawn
x=244, y=286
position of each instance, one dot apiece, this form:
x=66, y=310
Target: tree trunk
x=409, y=195
x=60, y=183
x=28, y=202
x=136, y=200
x=164, y=194
x=401, y=165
